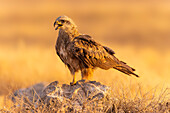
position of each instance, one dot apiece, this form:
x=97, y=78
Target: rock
x=75, y=97
x=27, y=96
x=83, y=96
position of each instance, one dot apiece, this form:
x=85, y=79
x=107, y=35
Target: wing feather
x=89, y=52
x=93, y=54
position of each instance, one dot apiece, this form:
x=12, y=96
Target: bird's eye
x=68, y=22
x=62, y=21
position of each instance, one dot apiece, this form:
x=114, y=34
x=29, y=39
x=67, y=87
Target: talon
x=74, y=80
x=72, y=83
x=85, y=80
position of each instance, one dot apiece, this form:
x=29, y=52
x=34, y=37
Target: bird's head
x=65, y=23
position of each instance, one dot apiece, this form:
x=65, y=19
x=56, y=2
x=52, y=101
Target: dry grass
x=138, y=32
x=117, y=100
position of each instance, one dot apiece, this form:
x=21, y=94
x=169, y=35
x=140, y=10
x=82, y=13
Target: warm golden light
x=138, y=32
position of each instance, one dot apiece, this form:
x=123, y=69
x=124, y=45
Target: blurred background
x=139, y=33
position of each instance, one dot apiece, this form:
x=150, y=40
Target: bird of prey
x=81, y=52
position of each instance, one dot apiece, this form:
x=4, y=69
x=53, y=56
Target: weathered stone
x=77, y=96
x=27, y=96
x=83, y=96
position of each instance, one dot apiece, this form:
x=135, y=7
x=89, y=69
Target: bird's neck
x=75, y=33
x=72, y=33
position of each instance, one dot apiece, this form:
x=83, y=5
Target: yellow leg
x=74, y=80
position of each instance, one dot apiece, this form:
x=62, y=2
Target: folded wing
x=93, y=54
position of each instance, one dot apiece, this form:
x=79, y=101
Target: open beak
x=59, y=24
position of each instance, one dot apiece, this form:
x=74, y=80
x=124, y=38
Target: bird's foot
x=85, y=80
x=72, y=83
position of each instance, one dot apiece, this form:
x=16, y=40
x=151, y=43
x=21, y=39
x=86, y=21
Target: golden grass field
x=139, y=33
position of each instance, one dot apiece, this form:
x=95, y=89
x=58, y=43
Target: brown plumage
x=82, y=52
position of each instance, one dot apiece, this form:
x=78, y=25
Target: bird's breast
x=63, y=52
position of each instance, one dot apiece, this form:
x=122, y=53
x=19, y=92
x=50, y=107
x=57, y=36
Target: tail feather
x=127, y=65
x=123, y=67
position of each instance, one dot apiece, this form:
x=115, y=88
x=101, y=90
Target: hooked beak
x=59, y=24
